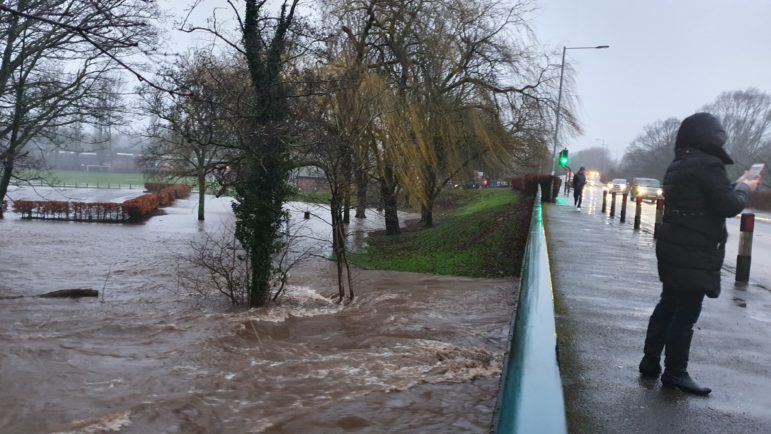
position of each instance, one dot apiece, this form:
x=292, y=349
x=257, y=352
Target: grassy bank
x=483, y=238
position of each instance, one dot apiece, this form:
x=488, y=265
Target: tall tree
x=263, y=186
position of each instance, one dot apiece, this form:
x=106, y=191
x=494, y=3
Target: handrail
x=530, y=399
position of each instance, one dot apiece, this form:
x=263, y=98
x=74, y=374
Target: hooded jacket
x=698, y=197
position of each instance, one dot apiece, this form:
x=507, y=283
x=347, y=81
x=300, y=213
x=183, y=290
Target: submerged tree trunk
x=201, y=193
x=361, y=193
x=5, y=181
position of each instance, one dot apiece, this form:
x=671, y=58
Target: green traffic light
x=564, y=158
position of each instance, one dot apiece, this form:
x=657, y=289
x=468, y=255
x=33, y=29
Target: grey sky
x=667, y=58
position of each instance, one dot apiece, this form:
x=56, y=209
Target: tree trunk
x=427, y=214
x=388, y=193
x=5, y=181
x=361, y=193
x=347, y=205
x=78, y=292
x=201, y=194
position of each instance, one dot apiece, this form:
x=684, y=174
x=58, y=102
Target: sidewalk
x=606, y=286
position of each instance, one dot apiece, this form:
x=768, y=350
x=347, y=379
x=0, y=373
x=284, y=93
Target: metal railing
x=530, y=399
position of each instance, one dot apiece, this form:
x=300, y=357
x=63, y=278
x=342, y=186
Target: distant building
x=309, y=179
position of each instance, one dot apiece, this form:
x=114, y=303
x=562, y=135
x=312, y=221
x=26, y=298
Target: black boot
x=676, y=363
x=654, y=344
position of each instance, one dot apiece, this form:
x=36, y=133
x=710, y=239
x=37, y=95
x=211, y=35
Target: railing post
x=637, y=212
x=612, y=204
x=604, y=200
x=744, y=258
x=307, y=215
x=659, y=217
x=623, y=207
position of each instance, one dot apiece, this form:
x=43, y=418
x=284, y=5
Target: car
x=646, y=188
x=618, y=185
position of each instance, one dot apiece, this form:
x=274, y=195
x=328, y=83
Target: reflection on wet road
x=761, y=244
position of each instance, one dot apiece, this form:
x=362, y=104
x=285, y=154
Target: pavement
x=606, y=286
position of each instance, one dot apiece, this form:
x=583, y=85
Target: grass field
x=74, y=177
x=483, y=238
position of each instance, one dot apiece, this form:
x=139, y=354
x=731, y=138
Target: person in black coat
x=690, y=248
x=579, y=181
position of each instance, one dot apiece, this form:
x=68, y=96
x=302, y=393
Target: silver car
x=618, y=185
x=646, y=188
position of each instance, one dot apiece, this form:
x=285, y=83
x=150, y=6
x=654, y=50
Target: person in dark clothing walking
x=690, y=248
x=579, y=180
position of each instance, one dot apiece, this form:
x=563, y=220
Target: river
x=412, y=353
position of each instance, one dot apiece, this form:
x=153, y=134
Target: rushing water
x=412, y=353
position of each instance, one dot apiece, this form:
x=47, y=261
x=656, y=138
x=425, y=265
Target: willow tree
x=463, y=76
x=432, y=145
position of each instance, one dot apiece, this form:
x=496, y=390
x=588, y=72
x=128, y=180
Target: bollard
x=623, y=207
x=612, y=204
x=659, y=217
x=637, y=212
x=604, y=200
x=307, y=215
x=744, y=257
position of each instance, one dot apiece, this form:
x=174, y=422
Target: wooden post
x=637, y=212
x=744, y=258
x=623, y=207
x=612, y=204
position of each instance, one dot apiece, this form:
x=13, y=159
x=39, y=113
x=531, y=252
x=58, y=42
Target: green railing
x=530, y=399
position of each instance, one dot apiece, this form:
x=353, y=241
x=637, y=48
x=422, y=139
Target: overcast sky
x=666, y=58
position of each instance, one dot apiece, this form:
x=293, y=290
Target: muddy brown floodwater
x=413, y=353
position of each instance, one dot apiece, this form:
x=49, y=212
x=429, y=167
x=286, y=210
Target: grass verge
x=483, y=238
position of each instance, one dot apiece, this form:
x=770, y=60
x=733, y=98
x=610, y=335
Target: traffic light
x=564, y=160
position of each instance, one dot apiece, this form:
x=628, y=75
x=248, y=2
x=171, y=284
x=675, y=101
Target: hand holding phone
x=755, y=171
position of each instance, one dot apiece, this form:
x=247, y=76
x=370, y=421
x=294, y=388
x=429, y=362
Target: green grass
x=483, y=238
x=72, y=177
x=320, y=197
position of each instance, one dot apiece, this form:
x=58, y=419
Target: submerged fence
x=132, y=210
x=530, y=398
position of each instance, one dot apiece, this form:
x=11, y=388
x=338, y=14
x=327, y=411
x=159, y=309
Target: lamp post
x=559, y=101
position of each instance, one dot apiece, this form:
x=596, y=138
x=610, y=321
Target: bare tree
x=55, y=53
x=195, y=128
x=652, y=151
x=746, y=116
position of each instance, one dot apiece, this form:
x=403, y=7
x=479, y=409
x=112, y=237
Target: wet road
x=606, y=287
x=413, y=353
x=761, y=242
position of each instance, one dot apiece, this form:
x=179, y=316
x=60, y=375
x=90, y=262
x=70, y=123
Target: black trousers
x=678, y=309
x=671, y=324
x=578, y=196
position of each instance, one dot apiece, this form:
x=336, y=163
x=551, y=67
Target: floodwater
x=412, y=353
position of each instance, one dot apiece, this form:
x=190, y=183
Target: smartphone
x=755, y=170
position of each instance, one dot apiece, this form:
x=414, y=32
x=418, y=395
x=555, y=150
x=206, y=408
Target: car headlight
x=659, y=191
x=641, y=190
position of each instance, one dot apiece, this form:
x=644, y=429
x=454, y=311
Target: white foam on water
x=111, y=423
x=297, y=301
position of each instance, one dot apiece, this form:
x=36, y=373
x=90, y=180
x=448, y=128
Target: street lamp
x=559, y=101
